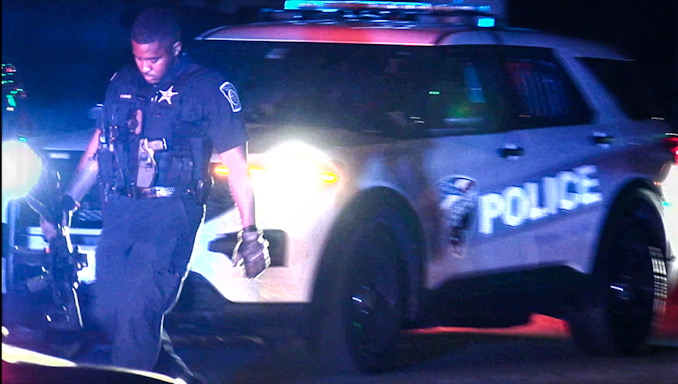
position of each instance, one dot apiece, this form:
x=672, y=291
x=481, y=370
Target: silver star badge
x=167, y=95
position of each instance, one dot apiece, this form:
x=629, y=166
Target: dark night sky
x=647, y=30
x=68, y=49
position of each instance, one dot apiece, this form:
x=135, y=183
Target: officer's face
x=154, y=59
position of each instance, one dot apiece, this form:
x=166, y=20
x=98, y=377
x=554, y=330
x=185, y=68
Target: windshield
x=395, y=91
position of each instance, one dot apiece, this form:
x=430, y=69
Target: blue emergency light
x=325, y=5
x=392, y=6
x=331, y=6
x=486, y=22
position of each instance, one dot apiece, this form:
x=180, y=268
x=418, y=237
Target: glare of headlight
x=295, y=185
x=21, y=168
x=669, y=185
x=300, y=165
x=293, y=164
x=256, y=172
x=670, y=190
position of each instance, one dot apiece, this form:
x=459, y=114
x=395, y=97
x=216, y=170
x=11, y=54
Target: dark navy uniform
x=148, y=231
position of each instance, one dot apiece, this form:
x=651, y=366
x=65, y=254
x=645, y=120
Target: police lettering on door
x=566, y=191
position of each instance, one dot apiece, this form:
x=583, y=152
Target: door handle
x=511, y=151
x=601, y=138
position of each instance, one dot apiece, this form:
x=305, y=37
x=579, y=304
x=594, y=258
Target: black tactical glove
x=252, y=251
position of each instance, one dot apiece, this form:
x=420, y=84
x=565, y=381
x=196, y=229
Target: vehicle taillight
x=671, y=141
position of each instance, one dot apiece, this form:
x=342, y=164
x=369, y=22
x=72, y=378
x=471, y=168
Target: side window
x=623, y=80
x=543, y=93
x=400, y=92
x=457, y=98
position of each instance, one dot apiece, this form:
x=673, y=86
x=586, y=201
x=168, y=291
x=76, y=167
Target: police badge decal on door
x=458, y=202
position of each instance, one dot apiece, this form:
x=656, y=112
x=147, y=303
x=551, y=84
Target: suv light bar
x=333, y=6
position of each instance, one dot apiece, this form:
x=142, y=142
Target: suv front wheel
x=358, y=317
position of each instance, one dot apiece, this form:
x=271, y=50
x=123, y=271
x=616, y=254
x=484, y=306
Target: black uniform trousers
x=141, y=261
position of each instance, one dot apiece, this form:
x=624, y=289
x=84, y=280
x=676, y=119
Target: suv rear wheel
x=616, y=315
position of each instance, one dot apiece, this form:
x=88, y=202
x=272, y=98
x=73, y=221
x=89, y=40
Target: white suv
x=420, y=165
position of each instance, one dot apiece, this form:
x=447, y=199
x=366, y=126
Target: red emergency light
x=671, y=141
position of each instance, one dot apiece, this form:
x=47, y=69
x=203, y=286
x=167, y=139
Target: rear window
x=623, y=80
x=394, y=91
x=543, y=93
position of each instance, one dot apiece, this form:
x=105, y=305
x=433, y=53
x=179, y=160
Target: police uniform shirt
x=189, y=101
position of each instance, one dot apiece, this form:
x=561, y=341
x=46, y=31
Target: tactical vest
x=160, y=146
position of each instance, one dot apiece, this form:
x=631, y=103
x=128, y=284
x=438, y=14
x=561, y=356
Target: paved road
x=440, y=357
x=541, y=352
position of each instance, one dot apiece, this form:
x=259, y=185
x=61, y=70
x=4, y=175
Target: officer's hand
x=67, y=208
x=252, y=251
x=62, y=213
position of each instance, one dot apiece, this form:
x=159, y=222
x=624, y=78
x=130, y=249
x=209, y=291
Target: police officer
x=162, y=118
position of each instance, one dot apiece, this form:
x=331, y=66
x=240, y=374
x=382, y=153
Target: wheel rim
x=374, y=302
x=631, y=293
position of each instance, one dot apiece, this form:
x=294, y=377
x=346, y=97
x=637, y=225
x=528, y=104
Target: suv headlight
x=21, y=169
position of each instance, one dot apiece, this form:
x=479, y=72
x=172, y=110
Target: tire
x=615, y=317
x=358, y=318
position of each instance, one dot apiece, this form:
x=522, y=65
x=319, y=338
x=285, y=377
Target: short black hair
x=156, y=24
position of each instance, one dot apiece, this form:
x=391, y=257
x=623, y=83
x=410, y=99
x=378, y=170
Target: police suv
x=418, y=165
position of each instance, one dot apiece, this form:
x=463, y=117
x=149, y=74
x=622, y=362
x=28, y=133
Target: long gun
x=62, y=262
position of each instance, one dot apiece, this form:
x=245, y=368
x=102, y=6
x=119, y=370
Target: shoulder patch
x=229, y=92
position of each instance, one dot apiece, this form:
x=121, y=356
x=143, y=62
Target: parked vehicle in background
x=419, y=165
x=15, y=117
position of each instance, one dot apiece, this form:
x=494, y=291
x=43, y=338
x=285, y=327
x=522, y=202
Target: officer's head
x=156, y=42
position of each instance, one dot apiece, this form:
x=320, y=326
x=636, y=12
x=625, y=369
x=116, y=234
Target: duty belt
x=155, y=192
